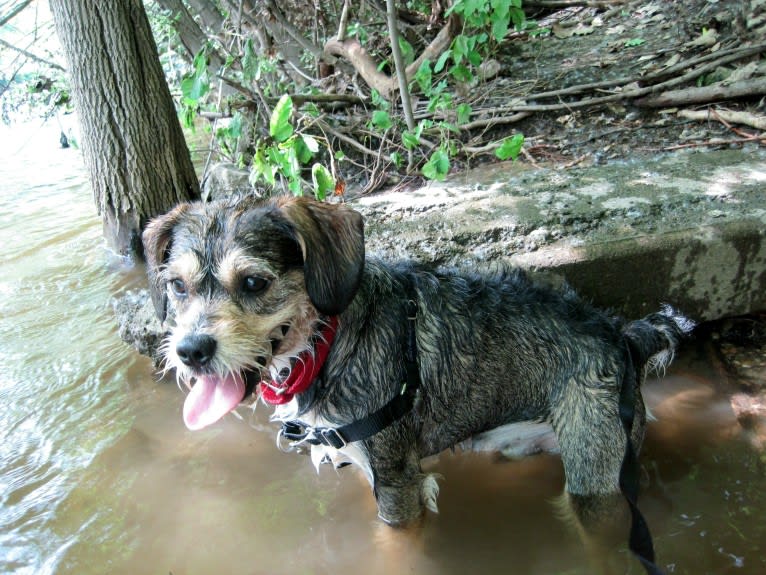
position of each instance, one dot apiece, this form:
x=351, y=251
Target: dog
x=394, y=362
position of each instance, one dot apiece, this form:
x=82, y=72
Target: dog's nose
x=196, y=350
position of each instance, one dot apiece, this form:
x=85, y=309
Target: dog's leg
x=592, y=440
x=403, y=492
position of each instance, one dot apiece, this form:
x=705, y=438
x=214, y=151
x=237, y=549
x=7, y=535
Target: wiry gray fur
x=493, y=348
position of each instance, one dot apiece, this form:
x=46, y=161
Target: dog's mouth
x=212, y=396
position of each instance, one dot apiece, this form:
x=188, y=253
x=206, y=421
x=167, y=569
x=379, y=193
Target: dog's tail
x=653, y=340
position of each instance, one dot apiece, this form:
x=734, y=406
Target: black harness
x=639, y=540
x=399, y=405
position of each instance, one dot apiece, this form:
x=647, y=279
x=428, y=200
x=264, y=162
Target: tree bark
x=131, y=138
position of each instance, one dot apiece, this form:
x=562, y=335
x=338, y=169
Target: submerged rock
x=138, y=323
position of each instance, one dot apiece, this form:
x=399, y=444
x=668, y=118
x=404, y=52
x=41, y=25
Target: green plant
x=195, y=86
x=228, y=136
x=287, y=152
x=510, y=147
x=485, y=24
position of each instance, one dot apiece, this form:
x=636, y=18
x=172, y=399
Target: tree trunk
x=131, y=138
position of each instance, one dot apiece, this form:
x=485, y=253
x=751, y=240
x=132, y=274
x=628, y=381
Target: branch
x=726, y=117
x=367, y=68
x=15, y=12
x=32, y=56
x=401, y=74
x=705, y=94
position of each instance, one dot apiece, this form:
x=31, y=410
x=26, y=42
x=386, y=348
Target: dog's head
x=248, y=283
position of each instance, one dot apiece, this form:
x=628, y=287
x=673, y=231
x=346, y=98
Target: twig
x=31, y=56
x=401, y=73
x=343, y=20
x=634, y=93
x=495, y=121
x=14, y=12
x=726, y=117
x=571, y=3
x=348, y=140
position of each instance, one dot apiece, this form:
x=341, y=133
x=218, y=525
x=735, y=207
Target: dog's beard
x=226, y=384
x=232, y=376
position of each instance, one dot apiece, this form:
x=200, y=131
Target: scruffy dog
x=382, y=364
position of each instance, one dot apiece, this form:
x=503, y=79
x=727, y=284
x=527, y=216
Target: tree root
x=353, y=51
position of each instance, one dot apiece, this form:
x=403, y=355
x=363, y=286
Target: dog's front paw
x=404, y=505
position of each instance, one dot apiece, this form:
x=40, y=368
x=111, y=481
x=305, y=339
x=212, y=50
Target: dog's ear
x=331, y=237
x=156, y=238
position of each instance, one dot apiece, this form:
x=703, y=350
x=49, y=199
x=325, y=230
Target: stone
x=687, y=229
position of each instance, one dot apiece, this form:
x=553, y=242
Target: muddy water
x=98, y=474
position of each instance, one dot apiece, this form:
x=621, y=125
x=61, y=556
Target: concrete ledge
x=688, y=230
x=685, y=229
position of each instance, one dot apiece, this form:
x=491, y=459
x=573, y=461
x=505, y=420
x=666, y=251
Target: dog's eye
x=254, y=284
x=178, y=287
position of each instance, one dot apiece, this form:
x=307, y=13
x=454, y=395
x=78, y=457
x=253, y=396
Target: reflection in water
x=98, y=474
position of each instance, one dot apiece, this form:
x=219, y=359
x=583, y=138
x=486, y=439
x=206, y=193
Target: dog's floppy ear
x=331, y=237
x=156, y=238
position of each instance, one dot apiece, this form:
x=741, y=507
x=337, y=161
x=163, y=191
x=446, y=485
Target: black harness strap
x=395, y=409
x=640, y=539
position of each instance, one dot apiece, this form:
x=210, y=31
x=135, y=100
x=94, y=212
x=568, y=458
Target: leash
x=396, y=408
x=640, y=539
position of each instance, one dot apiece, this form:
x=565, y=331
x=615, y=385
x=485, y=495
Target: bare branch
x=706, y=94
x=15, y=12
x=401, y=74
x=363, y=63
x=31, y=56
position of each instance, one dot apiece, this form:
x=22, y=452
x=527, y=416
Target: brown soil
x=630, y=44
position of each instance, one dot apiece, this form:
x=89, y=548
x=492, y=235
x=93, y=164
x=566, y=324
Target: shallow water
x=99, y=475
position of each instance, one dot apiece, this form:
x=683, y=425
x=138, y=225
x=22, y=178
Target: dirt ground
x=628, y=46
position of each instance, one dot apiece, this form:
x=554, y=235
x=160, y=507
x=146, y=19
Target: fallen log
x=705, y=94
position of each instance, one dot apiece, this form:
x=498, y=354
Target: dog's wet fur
x=249, y=282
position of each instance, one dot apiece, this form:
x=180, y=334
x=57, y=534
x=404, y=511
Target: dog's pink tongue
x=211, y=398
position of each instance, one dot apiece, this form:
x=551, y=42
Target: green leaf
x=633, y=42
x=410, y=140
x=311, y=143
x=518, y=18
x=196, y=85
x=381, y=120
x=280, y=127
x=408, y=52
x=442, y=61
x=437, y=166
x=510, y=147
x=423, y=76
x=262, y=167
x=340, y=155
x=323, y=181
x=499, y=28
x=302, y=150
x=474, y=58
x=463, y=113
x=461, y=73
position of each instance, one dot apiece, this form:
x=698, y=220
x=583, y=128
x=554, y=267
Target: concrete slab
x=686, y=229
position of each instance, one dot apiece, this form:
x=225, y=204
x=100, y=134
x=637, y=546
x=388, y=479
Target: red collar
x=305, y=370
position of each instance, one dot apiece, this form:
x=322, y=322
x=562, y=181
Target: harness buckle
x=330, y=436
